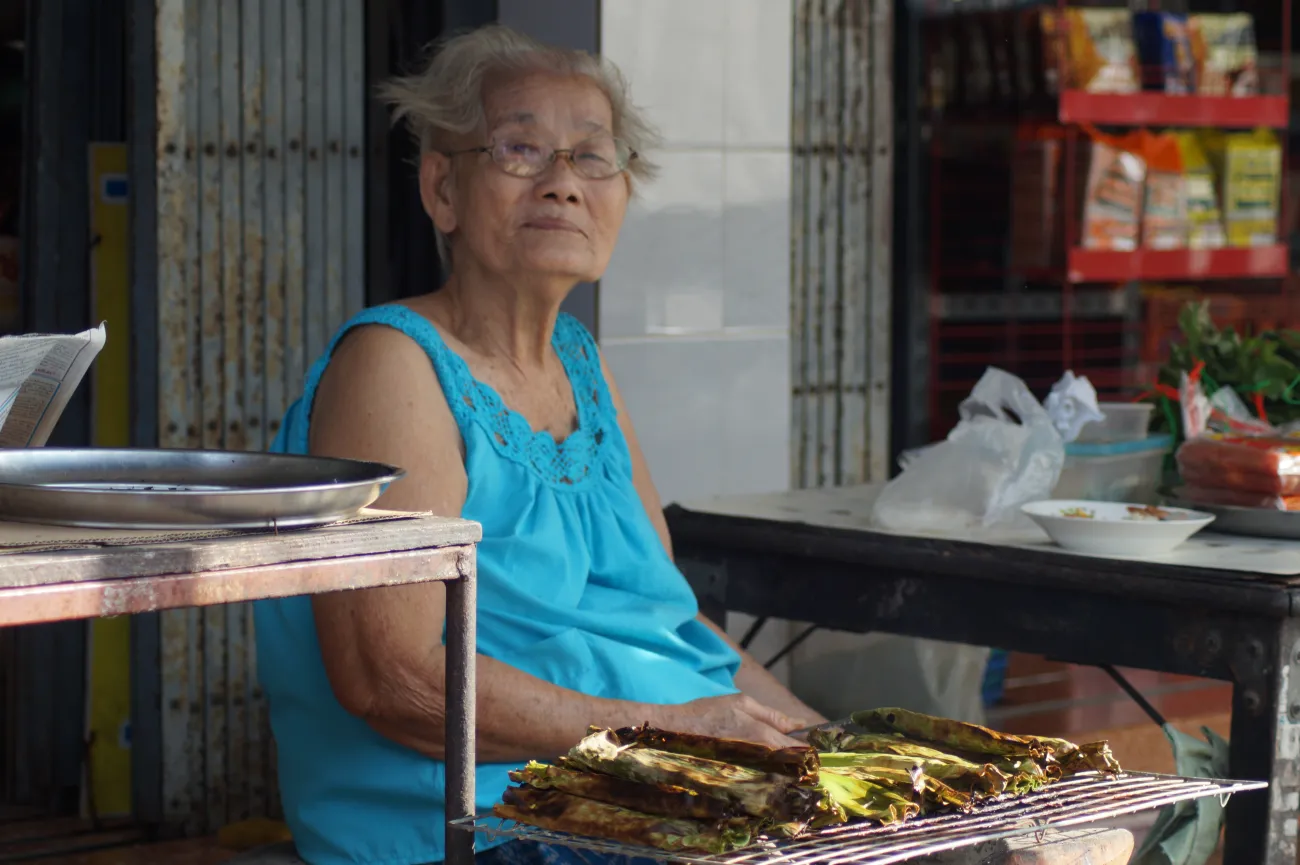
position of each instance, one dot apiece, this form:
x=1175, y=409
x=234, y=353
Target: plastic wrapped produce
x=1259, y=464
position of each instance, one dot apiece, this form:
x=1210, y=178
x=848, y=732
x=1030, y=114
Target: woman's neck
x=502, y=318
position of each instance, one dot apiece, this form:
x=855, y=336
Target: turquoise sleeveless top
x=575, y=587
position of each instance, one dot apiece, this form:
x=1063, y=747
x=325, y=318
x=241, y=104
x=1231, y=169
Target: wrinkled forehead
x=554, y=104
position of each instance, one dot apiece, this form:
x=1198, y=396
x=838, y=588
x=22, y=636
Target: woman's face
x=557, y=224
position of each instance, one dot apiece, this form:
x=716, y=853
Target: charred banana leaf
x=1092, y=757
x=886, y=743
x=914, y=784
x=659, y=799
x=957, y=773
x=866, y=799
x=799, y=763
x=948, y=734
x=1025, y=774
x=751, y=791
x=563, y=812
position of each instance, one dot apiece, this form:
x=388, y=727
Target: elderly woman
x=501, y=411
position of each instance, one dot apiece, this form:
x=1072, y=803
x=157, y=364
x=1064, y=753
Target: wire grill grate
x=1075, y=801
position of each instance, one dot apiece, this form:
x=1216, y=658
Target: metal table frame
x=1201, y=622
x=50, y=586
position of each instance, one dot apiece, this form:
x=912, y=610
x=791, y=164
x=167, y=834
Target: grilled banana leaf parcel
x=884, y=743
x=955, y=772
x=1090, y=757
x=563, y=812
x=659, y=799
x=751, y=791
x=913, y=784
x=866, y=799
x=799, y=763
x=950, y=735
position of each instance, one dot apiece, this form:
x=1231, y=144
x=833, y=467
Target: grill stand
x=1073, y=802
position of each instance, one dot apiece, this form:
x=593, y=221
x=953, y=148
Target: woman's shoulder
x=393, y=324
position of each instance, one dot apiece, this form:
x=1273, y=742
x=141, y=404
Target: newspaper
x=38, y=375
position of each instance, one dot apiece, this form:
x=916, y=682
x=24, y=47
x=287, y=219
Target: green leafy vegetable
x=1266, y=363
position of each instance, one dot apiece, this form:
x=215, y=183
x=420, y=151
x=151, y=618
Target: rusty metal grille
x=261, y=110
x=841, y=211
x=1076, y=801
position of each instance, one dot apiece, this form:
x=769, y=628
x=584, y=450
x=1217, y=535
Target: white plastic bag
x=1004, y=452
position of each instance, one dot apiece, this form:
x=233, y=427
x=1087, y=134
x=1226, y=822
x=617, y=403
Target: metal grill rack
x=1075, y=801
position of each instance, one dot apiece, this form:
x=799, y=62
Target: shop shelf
x=1260, y=262
x=1161, y=109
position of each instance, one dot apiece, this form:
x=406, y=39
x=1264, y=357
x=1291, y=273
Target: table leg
x=709, y=582
x=1265, y=745
x=461, y=691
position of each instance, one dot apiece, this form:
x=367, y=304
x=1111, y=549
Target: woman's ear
x=435, y=191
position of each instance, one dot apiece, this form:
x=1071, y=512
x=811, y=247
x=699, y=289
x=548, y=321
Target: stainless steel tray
x=183, y=489
x=1256, y=522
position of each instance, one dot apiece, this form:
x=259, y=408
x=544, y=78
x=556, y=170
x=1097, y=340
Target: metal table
x=84, y=573
x=1220, y=607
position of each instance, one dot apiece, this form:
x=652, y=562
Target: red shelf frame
x=1155, y=265
x=1162, y=109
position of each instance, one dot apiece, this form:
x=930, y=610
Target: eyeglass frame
x=555, y=154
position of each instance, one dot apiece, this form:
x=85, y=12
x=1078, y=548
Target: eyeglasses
x=596, y=158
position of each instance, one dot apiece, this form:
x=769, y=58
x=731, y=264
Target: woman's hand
x=734, y=716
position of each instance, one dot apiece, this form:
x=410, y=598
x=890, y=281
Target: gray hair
x=443, y=101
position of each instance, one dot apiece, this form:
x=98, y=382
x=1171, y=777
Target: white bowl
x=1115, y=528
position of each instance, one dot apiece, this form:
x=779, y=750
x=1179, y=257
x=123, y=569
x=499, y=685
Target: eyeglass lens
x=596, y=158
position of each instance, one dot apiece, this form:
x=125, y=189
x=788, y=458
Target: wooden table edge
x=87, y=599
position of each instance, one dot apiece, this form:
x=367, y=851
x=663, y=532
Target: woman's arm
x=382, y=648
x=753, y=679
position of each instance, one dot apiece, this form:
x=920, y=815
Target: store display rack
x=968, y=238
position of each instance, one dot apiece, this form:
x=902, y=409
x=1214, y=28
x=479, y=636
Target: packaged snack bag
x=1204, y=219
x=1164, y=52
x=1249, y=167
x=1164, y=205
x=1257, y=464
x=1225, y=54
x=1100, y=56
x=1112, y=201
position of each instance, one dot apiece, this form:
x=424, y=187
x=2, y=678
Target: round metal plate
x=183, y=489
x=1255, y=522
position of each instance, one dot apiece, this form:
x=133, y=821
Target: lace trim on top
x=564, y=465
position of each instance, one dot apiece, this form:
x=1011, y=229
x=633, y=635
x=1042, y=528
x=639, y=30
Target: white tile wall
x=756, y=77
x=756, y=238
x=671, y=246
x=694, y=308
x=672, y=52
x=712, y=415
